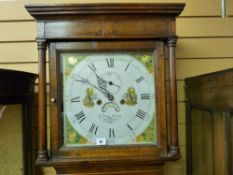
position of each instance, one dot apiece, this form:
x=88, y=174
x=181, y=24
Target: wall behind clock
x=205, y=45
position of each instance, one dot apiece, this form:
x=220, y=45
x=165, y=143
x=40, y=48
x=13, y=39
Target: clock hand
x=102, y=85
x=83, y=80
x=111, y=83
x=102, y=82
x=101, y=89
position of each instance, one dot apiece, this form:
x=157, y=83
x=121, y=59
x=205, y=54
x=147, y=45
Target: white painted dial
x=110, y=97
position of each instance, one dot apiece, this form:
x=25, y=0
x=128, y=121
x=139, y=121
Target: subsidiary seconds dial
x=109, y=97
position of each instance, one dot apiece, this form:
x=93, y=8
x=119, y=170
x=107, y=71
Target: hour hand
x=103, y=83
x=99, y=88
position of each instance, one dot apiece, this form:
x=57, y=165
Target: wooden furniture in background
x=210, y=124
x=106, y=27
x=17, y=87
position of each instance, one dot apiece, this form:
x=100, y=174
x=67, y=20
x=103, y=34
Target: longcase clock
x=108, y=77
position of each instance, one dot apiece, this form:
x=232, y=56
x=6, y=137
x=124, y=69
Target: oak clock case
x=107, y=97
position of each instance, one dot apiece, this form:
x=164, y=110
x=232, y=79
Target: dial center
x=110, y=97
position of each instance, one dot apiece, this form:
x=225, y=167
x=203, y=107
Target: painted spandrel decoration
x=109, y=98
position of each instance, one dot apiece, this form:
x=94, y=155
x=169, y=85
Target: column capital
x=42, y=156
x=41, y=44
x=171, y=42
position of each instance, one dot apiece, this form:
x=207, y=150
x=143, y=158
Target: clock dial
x=109, y=96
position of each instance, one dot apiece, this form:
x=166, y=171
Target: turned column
x=174, y=145
x=42, y=142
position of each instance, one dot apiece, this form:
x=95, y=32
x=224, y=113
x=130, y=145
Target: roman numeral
x=93, y=129
x=92, y=67
x=130, y=127
x=110, y=62
x=145, y=96
x=75, y=99
x=111, y=133
x=80, y=117
x=140, y=79
x=127, y=67
x=141, y=114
